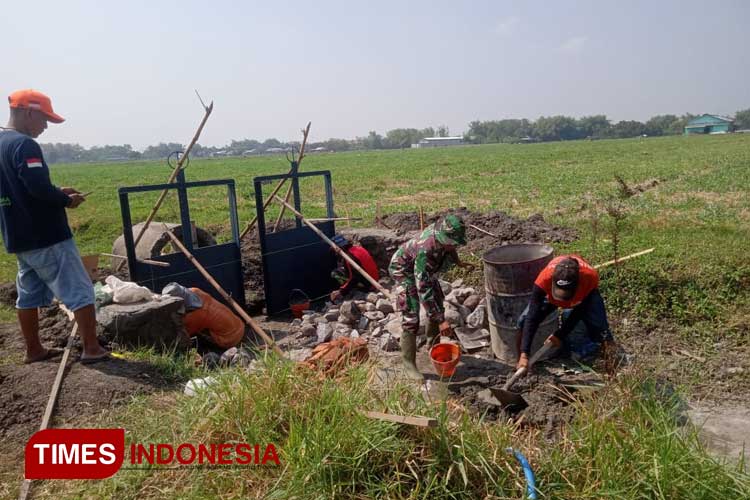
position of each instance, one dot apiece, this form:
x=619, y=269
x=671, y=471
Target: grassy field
x=625, y=443
x=697, y=217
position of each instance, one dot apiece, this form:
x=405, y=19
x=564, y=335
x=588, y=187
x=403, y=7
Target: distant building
x=436, y=142
x=710, y=124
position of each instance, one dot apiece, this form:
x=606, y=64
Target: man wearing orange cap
x=568, y=282
x=35, y=228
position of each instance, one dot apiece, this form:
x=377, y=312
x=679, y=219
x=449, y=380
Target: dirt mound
x=504, y=227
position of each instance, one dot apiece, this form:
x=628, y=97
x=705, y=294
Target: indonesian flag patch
x=34, y=162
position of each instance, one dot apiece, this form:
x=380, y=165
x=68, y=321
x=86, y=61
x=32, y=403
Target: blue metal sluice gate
x=295, y=258
x=222, y=261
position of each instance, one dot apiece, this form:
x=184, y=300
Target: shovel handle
x=512, y=380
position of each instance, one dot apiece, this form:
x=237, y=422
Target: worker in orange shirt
x=571, y=283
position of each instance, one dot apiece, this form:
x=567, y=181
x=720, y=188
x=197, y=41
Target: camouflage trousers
x=407, y=302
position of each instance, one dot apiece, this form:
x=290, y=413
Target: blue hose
x=527, y=472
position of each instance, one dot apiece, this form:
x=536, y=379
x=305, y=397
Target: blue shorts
x=53, y=271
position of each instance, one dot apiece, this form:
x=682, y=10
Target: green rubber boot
x=409, y=355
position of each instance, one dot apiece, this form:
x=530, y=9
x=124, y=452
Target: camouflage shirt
x=418, y=261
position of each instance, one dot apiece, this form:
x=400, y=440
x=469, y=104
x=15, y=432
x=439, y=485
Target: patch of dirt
x=547, y=392
x=86, y=390
x=504, y=227
x=8, y=294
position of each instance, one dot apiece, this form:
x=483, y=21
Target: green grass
x=624, y=444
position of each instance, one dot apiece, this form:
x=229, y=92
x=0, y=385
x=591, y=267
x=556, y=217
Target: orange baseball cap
x=33, y=99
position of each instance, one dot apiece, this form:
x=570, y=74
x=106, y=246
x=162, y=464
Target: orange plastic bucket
x=297, y=309
x=445, y=358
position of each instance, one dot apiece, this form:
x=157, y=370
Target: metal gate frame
x=295, y=258
x=223, y=261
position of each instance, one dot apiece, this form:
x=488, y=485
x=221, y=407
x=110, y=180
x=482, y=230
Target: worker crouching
x=568, y=282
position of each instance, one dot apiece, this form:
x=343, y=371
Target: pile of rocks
x=373, y=317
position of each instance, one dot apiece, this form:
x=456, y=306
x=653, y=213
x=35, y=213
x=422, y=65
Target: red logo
x=75, y=453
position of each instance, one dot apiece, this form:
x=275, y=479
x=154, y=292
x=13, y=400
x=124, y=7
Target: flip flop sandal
x=51, y=354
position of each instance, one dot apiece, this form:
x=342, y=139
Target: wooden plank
x=399, y=419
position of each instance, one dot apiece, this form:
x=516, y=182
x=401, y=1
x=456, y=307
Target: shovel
x=513, y=399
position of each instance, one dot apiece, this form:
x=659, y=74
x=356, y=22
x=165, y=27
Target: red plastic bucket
x=298, y=309
x=445, y=358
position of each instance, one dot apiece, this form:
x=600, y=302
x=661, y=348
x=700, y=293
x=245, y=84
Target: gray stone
x=211, y=360
x=384, y=306
x=354, y=334
x=370, y=307
x=445, y=286
x=227, y=356
x=341, y=330
x=319, y=319
x=458, y=283
x=307, y=318
x=374, y=315
x=394, y=327
x=349, y=312
x=298, y=355
x=363, y=323
x=242, y=359
x=735, y=370
x=372, y=297
x=462, y=294
x=453, y=317
x=153, y=323
x=308, y=330
x=307, y=311
x=377, y=331
x=478, y=319
x=362, y=306
x=296, y=322
x=472, y=301
x=332, y=315
x=324, y=332
x=389, y=343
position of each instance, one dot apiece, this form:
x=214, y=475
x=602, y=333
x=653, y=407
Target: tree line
x=551, y=128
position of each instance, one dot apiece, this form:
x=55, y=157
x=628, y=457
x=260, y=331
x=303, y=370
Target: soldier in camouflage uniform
x=414, y=266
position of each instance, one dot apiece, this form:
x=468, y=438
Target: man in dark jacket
x=35, y=228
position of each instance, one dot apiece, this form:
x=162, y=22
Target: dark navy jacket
x=32, y=209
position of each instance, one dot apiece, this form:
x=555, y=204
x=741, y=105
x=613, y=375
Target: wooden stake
x=621, y=259
x=421, y=218
x=268, y=340
x=268, y=201
x=171, y=179
x=305, y=132
x=26, y=485
x=336, y=248
x=483, y=231
x=416, y=421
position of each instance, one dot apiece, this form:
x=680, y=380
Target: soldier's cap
x=565, y=279
x=451, y=230
x=33, y=99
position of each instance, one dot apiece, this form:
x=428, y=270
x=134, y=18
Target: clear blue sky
x=124, y=72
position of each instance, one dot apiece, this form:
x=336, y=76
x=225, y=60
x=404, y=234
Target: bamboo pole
x=330, y=219
x=26, y=485
x=421, y=218
x=268, y=340
x=268, y=201
x=621, y=259
x=336, y=248
x=305, y=132
x=208, y=109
